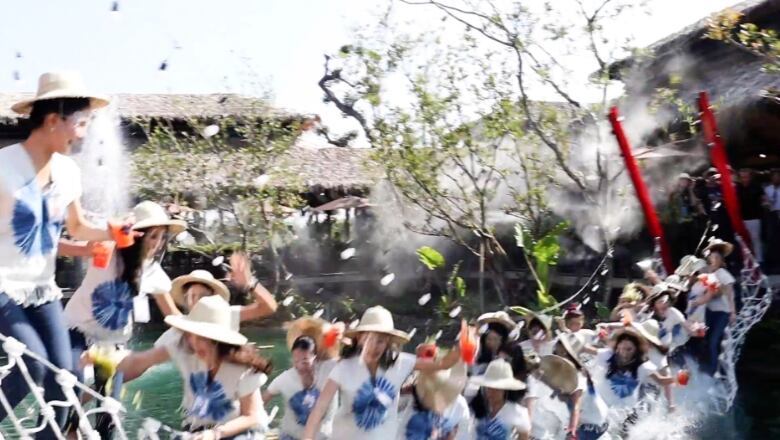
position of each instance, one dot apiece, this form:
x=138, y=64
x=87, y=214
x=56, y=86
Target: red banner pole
x=653, y=224
x=721, y=162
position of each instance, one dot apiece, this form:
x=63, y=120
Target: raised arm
x=79, y=228
x=319, y=410
x=241, y=276
x=448, y=361
x=73, y=248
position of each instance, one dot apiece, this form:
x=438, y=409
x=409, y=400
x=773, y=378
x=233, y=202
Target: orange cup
x=122, y=235
x=101, y=255
x=468, y=345
x=331, y=337
x=682, y=377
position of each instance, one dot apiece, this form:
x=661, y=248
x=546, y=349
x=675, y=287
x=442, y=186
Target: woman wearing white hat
x=222, y=374
x=497, y=326
x=368, y=379
x=39, y=193
x=185, y=292
x=301, y=385
x=500, y=418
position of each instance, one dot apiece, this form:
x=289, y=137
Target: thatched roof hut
x=748, y=110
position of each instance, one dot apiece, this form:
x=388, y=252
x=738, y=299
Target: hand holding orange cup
x=101, y=254
x=468, y=344
x=682, y=377
x=122, y=235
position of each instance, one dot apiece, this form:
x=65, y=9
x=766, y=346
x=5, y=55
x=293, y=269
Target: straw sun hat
x=314, y=328
x=498, y=376
x=438, y=390
x=378, y=319
x=722, y=247
x=558, y=373
x=55, y=85
x=501, y=318
x=148, y=214
x=649, y=330
x=201, y=277
x=210, y=318
x=689, y=265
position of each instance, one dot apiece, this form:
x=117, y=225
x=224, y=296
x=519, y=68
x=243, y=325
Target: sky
x=243, y=46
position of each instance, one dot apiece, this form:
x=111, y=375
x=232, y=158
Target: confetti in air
x=483, y=329
x=715, y=227
x=217, y=261
x=437, y=335
x=288, y=276
x=595, y=288
x=346, y=254
x=424, y=299
x=354, y=323
x=455, y=312
x=262, y=180
x=318, y=313
x=604, y=272
x=387, y=279
x=210, y=131
x=287, y=301
x=163, y=66
x=586, y=300
x=412, y=332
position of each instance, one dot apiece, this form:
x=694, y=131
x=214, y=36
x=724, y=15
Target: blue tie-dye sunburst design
x=370, y=411
x=623, y=384
x=35, y=233
x=491, y=430
x=424, y=425
x=112, y=303
x=302, y=403
x=209, y=399
x=676, y=329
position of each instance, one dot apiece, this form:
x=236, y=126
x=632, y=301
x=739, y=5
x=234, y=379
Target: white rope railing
x=150, y=429
x=756, y=296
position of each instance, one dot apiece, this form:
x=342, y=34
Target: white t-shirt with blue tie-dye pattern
x=621, y=390
x=671, y=330
x=102, y=307
x=511, y=419
x=426, y=425
x=298, y=402
x=369, y=408
x=31, y=220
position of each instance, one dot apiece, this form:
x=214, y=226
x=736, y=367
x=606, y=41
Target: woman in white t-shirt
x=674, y=329
x=185, y=292
x=39, y=194
x=368, y=379
x=496, y=416
x=301, y=385
x=540, y=338
x=222, y=374
x=719, y=301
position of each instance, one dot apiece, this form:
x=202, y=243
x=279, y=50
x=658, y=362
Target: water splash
x=104, y=163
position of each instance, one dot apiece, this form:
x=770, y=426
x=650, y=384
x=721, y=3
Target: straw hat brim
x=206, y=330
x=653, y=340
x=508, y=384
x=633, y=332
x=437, y=396
x=558, y=373
x=174, y=226
x=564, y=341
x=24, y=107
x=313, y=328
x=491, y=318
x=398, y=335
x=723, y=247
x=546, y=321
x=177, y=288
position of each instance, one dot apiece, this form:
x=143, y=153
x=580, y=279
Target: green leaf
x=520, y=310
x=460, y=286
x=430, y=257
x=602, y=311
x=545, y=299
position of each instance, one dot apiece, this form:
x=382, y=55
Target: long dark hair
x=386, y=361
x=479, y=405
x=246, y=355
x=486, y=356
x=305, y=343
x=633, y=366
x=519, y=368
x=132, y=260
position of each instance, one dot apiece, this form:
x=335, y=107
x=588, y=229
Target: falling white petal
x=261, y=180
x=514, y=334
x=455, y=312
x=354, y=323
x=715, y=227
x=210, y=131
x=287, y=278
x=595, y=288
x=604, y=272
x=483, y=329
x=412, y=332
x=387, y=279
x=586, y=300
x=217, y=261
x=716, y=206
x=437, y=335
x=319, y=290
x=346, y=254
x=318, y=313
x=424, y=299
x=287, y=301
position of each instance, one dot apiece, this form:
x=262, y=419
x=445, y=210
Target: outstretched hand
x=240, y=270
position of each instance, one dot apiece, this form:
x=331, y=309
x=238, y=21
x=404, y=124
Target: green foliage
x=764, y=43
x=542, y=254
x=602, y=311
x=430, y=257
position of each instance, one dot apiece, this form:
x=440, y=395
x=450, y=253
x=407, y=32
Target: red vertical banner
x=721, y=161
x=651, y=217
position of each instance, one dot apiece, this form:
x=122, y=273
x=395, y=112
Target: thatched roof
x=726, y=72
x=303, y=168
x=169, y=106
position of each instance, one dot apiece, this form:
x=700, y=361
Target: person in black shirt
x=751, y=201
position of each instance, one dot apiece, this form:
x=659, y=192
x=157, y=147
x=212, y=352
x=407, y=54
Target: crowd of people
x=344, y=383
x=694, y=201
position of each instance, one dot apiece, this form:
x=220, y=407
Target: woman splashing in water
x=39, y=193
